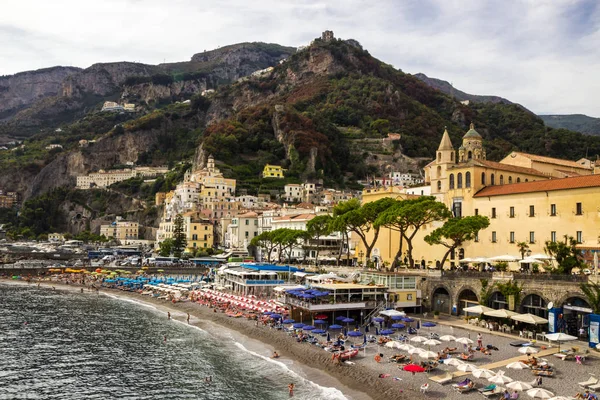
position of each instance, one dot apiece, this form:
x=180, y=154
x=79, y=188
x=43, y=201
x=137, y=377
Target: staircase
x=367, y=319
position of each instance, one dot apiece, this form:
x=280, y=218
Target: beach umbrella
x=318, y=331
x=398, y=326
x=500, y=378
x=268, y=312
x=340, y=318
x=478, y=309
x=447, y=338
x=483, y=373
x=298, y=325
x=413, y=368
x=320, y=316
x=308, y=327
x=407, y=319
x=415, y=350
x=405, y=346
x=519, y=385
x=529, y=319
x=387, y=332
x=378, y=319
x=355, y=333
x=501, y=313
x=276, y=316
x=527, y=350
x=397, y=317
x=393, y=344
x=559, y=337
x=561, y=397
x=466, y=367
x=454, y=362
x=428, y=324
x=428, y=354
x=432, y=342
x=418, y=339
x=289, y=321
x=538, y=393
x=334, y=326
x=464, y=340
x=517, y=365
x=348, y=320
x=320, y=322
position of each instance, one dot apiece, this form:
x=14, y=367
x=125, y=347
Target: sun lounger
x=496, y=392
x=594, y=387
x=463, y=383
x=591, y=381
x=466, y=389
x=488, y=388
x=442, y=379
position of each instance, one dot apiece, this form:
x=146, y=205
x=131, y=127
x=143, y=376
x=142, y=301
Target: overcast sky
x=544, y=54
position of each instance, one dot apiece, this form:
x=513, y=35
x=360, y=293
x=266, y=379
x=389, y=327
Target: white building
x=293, y=192
x=103, y=179
x=241, y=230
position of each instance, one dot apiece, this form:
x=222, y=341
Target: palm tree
x=591, y=291
x=523, y=247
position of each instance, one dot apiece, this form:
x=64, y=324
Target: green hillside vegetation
x=575, y=122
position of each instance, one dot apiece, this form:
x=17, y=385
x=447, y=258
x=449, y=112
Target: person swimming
x=275, y=355
x=291, y=387
x=168, y=315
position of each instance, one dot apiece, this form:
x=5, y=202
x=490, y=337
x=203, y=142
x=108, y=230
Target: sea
x=62, y=344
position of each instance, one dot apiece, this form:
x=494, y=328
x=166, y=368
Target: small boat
x=348, y=354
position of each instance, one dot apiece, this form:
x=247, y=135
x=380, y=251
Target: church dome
x=472, y=133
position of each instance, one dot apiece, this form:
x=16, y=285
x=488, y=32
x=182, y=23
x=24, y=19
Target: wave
x=139, y=303
x=327, y=393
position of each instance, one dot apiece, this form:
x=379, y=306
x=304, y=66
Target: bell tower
x=472, y=146
x=445, y=157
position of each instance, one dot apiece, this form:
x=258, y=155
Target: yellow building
x=273, y=171
x=526, y=197
x=120, y=230
x=199, y=231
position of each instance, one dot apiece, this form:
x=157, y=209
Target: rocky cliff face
x=21, y=90
x=447, y=88
x=146, y=93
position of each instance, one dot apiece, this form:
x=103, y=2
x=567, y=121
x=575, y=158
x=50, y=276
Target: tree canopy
x=566, y=254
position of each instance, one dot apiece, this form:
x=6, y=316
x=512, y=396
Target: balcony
x=359, y=305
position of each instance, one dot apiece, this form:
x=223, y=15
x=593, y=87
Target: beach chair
x=594, y=387
x=461, y=384
x=467, y=388
x=488, y=388
x=496, y=392
x=424, y=388
x=591, y=381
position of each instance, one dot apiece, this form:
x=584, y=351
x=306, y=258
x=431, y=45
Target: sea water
x=58, y=344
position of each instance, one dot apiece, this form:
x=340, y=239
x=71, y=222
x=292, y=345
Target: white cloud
x=542, y=54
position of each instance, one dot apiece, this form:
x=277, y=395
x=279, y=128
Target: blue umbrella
x=334, y=326
x=308, y=296
x=276, y=316
x=397, y=317
x=320, y=322
x=340, y=318
x=298, y=325
x=319, y=331
x=428, y=324
x=308, y=327
x=268, y=312
x=289, y=321
x=387, y=332
x=398, y=326
x=378, y=319
x=355, y=333
x=348, y=320
x=407, y=319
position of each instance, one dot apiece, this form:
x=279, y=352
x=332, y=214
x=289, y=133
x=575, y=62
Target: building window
x=477, y=211
x=502, y=179
x=246, y=234
x=439, y=172
x=553, y=210
x=195, y=227
x=553, y=236
x=439, y=185
x=579, y=236
x=532, y=211
x=509, y=180
x=439, y=156
x=451, y=183
x=459, y=181
x=518, y=180
x=247, y=222
x=409, y=297
x=205, y=237
x=451, y=156
x=512, y=237
x=511, y=212
x=531, y=237
x=457, y=208
x=483, y=178
x=494, y=237
x=493, y=212
x=492, y=180
x=578, y=209
x=467, y=179
x=476, y=237
x=194, y=237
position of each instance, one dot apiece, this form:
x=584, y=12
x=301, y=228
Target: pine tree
x=179, y=237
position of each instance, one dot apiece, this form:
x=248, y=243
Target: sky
x=543, y=54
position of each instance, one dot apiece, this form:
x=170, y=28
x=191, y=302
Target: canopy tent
x=529, y=319
x=501, y=313
x=478, y=309
x=391, y=313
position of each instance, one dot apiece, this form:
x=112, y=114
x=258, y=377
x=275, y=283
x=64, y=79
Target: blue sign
x=262, y=282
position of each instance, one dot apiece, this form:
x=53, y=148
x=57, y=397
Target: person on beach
x=538, y=381
x=208, y=379
x=291, y=389
x=168, y=315
x=165, y=339
x=479, y=340
x=275, y=355
x=188, y=318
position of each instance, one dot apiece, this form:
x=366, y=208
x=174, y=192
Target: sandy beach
x=362, y=377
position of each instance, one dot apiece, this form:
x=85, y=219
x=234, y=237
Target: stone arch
x=439, y=185
x=451, y=182
x=502, y=179
x=509, y=180
x=534, y=302
x=518, y=180
x=467, y=179
x=498, y=301
x=483, y=178
x=469, y=155
x=570, y=295
x=459, y=180
x=492, y=179
x=466, y=296
x=441, y=299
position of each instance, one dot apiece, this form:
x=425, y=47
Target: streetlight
x=361, y=255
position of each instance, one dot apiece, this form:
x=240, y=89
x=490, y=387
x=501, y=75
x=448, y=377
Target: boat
x=348, y=354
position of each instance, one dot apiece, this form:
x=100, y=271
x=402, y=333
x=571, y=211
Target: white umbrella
x=418, y=339
x=559, y=337
x=519, y=385
x=529, y=260
x=454, y=362
x=501, y=313
x=392, y=345
x=466, y=367
x=416, y=350
x=540, y=256
x=432, y=342
x=480, y=260
x=538, y=393
x=517, y=365
x=478, y=309
x=428, y=354
x=561, y=397
x=504, y=258
x=466, y=260
x=447, y=338
x=406, y=347
x=464, y=340
x=527, y=350
x=500, y=378
x=529, y=319
x=483, y=373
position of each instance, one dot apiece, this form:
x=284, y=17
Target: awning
x=478, y=309
x=391, y=313
x=300, y=274
x=284, y=288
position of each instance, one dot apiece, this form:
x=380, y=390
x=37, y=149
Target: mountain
x=48, y=98
x=574, y=122
x=450, y=90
